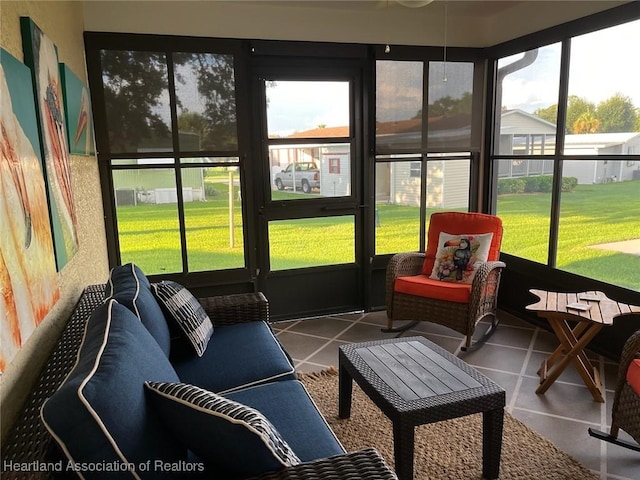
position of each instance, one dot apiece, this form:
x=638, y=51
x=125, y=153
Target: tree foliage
x=134, y=83
x=136, y=90
x=615, y=114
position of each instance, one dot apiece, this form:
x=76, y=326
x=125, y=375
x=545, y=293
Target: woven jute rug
x=445, y=450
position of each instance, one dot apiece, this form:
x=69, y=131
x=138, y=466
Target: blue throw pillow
x=100, y=415
x=130, y=287
x=224, y=433
x=184, y=309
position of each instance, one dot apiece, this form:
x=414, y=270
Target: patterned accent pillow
x=181, y=306
x=458, y=256
x=228, y=434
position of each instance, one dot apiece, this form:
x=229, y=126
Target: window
x=173, y=159
x=413, y=137
x=597, y=183
x=334, y=165
x=415, y=170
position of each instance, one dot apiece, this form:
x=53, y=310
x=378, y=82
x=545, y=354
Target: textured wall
x=62, y=22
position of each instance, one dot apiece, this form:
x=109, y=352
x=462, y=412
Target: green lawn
x=591, y=215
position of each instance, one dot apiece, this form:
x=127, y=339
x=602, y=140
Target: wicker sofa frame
x=461, y=317
x=29, y=443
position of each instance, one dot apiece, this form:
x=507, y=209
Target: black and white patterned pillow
x=220, y=431
x=180, y=304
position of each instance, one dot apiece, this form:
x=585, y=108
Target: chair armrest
x=484, y=289
x=236, y=308
x=364, y=464
x=402, y=265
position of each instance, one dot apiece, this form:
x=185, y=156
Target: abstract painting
x=41, y=55
x=28, y=278
x=78, y=109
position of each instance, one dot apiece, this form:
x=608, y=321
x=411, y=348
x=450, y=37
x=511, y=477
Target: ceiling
x=470, y=23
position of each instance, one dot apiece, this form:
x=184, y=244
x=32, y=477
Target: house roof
x=412, y=125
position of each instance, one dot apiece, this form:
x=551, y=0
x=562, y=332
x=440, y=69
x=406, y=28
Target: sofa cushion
x=237, y=356
x=100, y=414
x=130, y=287
x=300, y=423
x=223, y=433
x=184, y=310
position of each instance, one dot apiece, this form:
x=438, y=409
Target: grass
x=591, y=215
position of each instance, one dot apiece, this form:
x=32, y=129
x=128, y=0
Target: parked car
x=306, y=175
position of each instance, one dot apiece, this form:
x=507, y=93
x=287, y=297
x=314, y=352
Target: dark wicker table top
x=415, y=380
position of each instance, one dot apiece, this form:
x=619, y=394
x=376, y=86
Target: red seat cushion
x=423, y=286
x=459, y=223
x=633, y=375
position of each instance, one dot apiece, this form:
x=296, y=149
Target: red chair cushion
x=457, y=223
x=423, y=286
x=633, y=375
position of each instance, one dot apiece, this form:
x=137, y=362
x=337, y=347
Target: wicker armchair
x=469, y=303
x=625, y=413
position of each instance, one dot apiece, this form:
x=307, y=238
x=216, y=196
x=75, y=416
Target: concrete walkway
x=627, y=246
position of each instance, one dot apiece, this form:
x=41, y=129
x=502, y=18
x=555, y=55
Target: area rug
x=445, y=450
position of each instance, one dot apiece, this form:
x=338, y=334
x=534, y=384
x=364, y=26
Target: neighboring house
x=333, y=159
x=524, y=134
x=159, y=185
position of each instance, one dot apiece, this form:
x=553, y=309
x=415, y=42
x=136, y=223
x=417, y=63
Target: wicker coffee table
x=415, y=382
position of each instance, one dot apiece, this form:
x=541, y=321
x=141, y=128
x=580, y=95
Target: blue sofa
x=140, y=402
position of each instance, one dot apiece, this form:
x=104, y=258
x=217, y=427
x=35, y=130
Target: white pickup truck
x=306, y=176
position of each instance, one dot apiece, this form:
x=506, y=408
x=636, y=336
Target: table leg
x=345, y=390
x=492, y=422
x=403, y=445
x=574, y=346
x=559, y=352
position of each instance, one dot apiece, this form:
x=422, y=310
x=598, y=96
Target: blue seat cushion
x=130, y=287
x=100, y=412
x=237, y=356
x=289, y=408
x=223, y=433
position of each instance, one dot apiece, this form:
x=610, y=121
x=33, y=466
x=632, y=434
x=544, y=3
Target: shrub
x=209, y=190
x=537, y=184
x=511, y=185
x=569, y=184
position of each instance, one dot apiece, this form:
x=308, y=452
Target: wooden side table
x=591, y=311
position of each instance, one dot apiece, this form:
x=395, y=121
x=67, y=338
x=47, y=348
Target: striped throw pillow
x=180, y=305
x=220, y=431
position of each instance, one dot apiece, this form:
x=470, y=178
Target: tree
x=617, y=114
x=576, y=108
x=586, y=123
x=134, y=83
x=215, y=84
x=550, y=114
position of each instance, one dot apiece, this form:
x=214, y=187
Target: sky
x=602, y=63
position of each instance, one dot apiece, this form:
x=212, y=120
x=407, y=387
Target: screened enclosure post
x=232, y=240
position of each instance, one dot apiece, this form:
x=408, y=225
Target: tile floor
x=511, y=359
